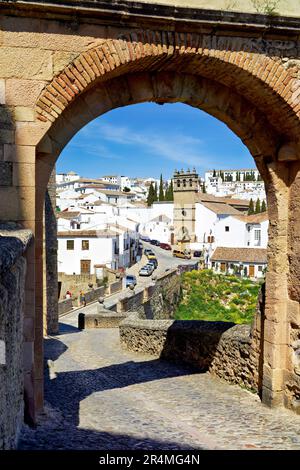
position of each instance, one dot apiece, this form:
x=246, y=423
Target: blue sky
x=148, y=139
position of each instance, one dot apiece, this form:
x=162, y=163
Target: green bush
x=217, y=297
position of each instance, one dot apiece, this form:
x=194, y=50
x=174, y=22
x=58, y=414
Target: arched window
x=178, y=183
x=184, y=183
x=191, y=182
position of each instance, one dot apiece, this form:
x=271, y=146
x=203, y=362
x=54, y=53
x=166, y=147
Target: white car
x=145, y=271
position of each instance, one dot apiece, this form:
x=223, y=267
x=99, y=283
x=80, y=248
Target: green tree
x=203, y=188
x=214, y=174
x=161, y=196
x=151, y=195
x=222, y=175
x=170, y=192
x=263, y=206
x=126, y=189
x=257, y=207
x=251, y=207
x=166, y=192
x=155, y=192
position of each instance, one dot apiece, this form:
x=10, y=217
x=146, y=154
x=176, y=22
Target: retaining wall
x=13, y=243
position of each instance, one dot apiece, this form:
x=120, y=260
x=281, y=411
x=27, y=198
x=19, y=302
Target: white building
x=66, y=177
x=246, y=262
x=79, y=250
x=243, y=184
x=158, y=228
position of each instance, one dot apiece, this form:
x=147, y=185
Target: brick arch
x=122, y=72
x=262, y=80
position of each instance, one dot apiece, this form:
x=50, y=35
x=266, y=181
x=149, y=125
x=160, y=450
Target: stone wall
x=225, y=349
x=13, y=243
x=75, y=283
x=65, y=306
x=157, y=301
x=50, y=260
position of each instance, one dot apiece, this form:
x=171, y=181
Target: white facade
x=159, y=228
x=235, y=183
x=76, y=252
x=244, y=268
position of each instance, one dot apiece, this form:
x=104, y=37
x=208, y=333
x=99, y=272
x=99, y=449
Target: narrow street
x=165, y=262
x=100, y=397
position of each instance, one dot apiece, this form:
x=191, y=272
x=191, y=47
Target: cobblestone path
x=99, y=397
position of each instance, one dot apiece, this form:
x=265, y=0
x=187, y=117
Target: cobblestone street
x=99, y=397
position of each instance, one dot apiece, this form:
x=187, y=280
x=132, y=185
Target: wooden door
x=85, y=266
x=223, y=267
x=251, y=270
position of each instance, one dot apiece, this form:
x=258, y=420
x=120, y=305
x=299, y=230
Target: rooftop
x=87, y=234
x=246, y=255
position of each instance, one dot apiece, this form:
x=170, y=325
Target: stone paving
x=99, y=397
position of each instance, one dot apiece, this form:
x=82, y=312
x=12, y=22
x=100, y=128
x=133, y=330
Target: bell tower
x=185, y=188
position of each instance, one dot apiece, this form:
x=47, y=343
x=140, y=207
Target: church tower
x=185, y=188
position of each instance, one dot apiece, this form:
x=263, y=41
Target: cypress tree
x=171, y=195
x=167, y=192
x=150, y=197
x=251, y=207
x=214, y=174
x=155, y=192
x=161, y=196
x=257, y=207
x=204, y=188
x=263, y=206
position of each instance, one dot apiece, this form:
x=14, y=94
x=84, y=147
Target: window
x=184, y=183
x=257, y=237
x=85, y=245
x=260, y=268
x=183, y=212
x=226, y=228
x=178, y=183
x=191, y=182
x=70, y=244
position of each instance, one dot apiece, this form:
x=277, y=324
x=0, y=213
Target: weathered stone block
x=19, y=153
x=2, y=91
x=6, y=174
x=276, y=332
x=25, y=63
x=19, y=92
x=30, y=133
x=24, y=113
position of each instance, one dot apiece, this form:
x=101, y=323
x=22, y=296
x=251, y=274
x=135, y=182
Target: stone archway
x=236, y=81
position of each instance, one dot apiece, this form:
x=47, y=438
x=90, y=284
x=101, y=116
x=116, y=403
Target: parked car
x=154, y=262
x=144, y=238
x=197, y=254
x=151, y=255
x=182, y=254
x=147, y=251
x=145, y=271
x=130, y=280
x=155, y=242
x=151, y=267
x=165, y=246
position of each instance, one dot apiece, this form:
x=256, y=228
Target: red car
x=165, y=246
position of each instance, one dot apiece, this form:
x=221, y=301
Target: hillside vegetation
x=217, y=297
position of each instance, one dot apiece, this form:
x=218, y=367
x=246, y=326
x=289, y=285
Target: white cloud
x=174, y=146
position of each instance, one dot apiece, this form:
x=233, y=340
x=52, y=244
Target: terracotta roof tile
x=247, y=255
